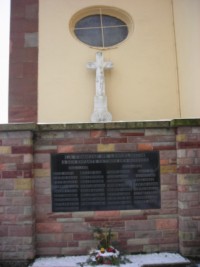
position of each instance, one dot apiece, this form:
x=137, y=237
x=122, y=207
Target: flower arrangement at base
x=110, y=256
x=105, y=252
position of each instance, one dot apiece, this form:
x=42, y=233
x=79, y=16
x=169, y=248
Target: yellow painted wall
x=187, y=29
x=143, y=83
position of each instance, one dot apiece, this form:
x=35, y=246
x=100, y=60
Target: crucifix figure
x=100, y=113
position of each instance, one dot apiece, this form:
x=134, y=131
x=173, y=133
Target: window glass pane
x=111, y=21
x=91, y=37
x=89, y=21
x=114, y=36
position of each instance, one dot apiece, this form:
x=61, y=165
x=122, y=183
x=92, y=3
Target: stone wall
x=28, y=225
x=17, y=215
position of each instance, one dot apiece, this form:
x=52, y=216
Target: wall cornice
x=100, y=126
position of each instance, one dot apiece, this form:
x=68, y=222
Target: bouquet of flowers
x=105, y=252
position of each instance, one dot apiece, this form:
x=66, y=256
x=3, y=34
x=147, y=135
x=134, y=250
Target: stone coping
x=100, y=126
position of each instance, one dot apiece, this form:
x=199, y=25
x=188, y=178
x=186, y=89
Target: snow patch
x=136, y=260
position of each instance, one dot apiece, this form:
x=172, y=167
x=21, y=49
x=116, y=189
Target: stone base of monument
x=15, y=263
x=168, y=265
x=101, y=113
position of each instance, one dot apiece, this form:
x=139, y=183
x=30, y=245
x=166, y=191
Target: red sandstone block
x=192, y=243
x=165, y=204
x=42, y=199
x=108, y=224
x=144, y=147
x=55, y=216
x=65, y=149
x=164, y=162
x=72, y=244
x=84, y=148
x=17, y=53
x=15, y=210
x=113, y=140
x=17, y=42
x=75, y=227
x=166, y=224
x=125, y=147
x=134, y=248
x=133, y=217
x=92, y=141
x=31, y=26
x=183, y=188
x=182, y=145
x=42, y=183
x=11, y=159
x=30, y=68
x=185, y=161
x=96, y=220
x=97, y=133
x=28, y=174
x=17, y=24
x=107, y=214
x=166, y=240
x=49, y=251
x=30, y=54
x=41, y=158
x=22, y=150
x=22, y=201
x=126, y=235
x=69, y=141
x=82, y=236
x=3, y=230
x=151, y=212
x=140, y=225
x=7, y=184
x=113, y=133
x=183, y=169
x=20, y=134
x=7, y=218
x=191, y=196
x=132, y=133
x=195, y=169
x=18, y=11
x=169, y=195
x=49, y=227
x=31, y=10
x=11, y=174
x=183, y=130
x=52, y=244
x=170, y=233
x=187, y=225
x=16, y=70
x=6, y=201
x=20, y=230
x=141, y=139
x=168, y=154
x=164, y=147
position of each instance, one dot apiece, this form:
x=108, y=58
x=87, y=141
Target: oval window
x=100, y=29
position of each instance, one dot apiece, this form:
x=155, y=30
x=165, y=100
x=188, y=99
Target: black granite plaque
x=105, y=181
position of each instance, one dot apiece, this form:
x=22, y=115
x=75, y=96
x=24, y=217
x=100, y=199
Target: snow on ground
x=136, y=260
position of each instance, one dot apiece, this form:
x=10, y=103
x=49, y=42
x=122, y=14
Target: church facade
x=138, y=59
x=155, y=72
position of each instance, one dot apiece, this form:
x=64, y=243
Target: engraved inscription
x=105, y=181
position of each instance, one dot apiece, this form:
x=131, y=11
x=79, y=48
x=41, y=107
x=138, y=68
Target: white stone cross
x=100, y=113
x=100, y=65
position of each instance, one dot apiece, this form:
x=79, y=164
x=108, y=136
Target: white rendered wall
x=187, y=31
